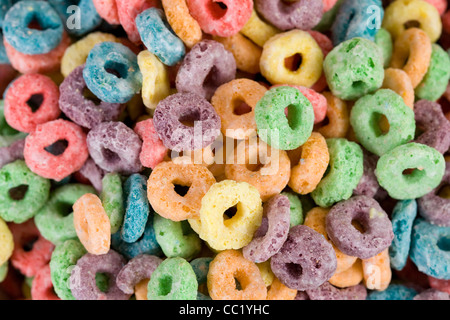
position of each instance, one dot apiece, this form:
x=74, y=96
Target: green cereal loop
x=55, y=219
x=365, y=119
x=176, y=239
x=343, y=175
x=429, y=165
x=436, y=79
x=277, y=130
x=384, y=40
x=64, y=259
x=31, y=190
x=173, y=279
x=5, y=129
x=296, y=208
x=354, y=68
x=113, y=200
x=3, y=271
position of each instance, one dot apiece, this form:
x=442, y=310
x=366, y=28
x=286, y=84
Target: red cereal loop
x=27, y=93
x=31, y=251
x=61, y=165
x=153, y=150
x=221, y=18
x=107, y=9
x=439, y=284
x=42, y=287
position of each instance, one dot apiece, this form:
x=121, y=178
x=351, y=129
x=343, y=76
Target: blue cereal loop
x=4, y=7
x=32, y=41
x=403, y=216
x=106, y=60
x=137, y=208
x=158, y=37
x=357, y=19
x=393, y=292
x=430, y=249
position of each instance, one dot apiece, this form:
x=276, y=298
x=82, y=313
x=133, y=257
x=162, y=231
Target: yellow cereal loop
x=377, y=271
x=230, y=214
x=6, y=242
x=292, y=58
x=266, y=272
x=77, y=53
x=155, y=79
x=403, y=14
x=257, y=30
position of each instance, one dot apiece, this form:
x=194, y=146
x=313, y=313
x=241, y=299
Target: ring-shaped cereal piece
x=292, y=44
x=30, y=100
x=412, y=54
x=278, y=291
x=272, y=233
x=345, y=171
x=220, y=18
x=112, y=72
x=329, y=292
x=428, y=165
x=7, y=241
x=31, y=250
x=155, y=79
x=51, y=166
x=220, y=231
x=77, y=53
x=107, y=9
x=207, y=66
x=348, y=278
x=377, y=271
x=313, y=163
x=377, y=232
x=42, y=287
x=400, y=15
x=82, y=278
x=38, y=63
x=338, y=116
x=113, y=200
x=190, y=107
x=277, y=130
x=181, y=21
x=173, y=279
x=228, y=266
x=162, y=194
x=398, y=81
x=159, y=38
x=316, y=220
x=33, y=41
x=288, y=15
x=265, y=168
x=23, y=192
x=428, y=249
x=228, y=100
x=245, y=52
x=12, y=152
x=92, y=224
x=257, y=30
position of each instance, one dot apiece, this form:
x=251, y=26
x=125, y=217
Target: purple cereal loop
x=305, y=261
x=115, y=147
x=269, y=238
x=300, y=14
x=136, y=270
x=368, y=185
x=82, y=278
x=377, y=235
x=432, y=294
x=12, y=152
x=206, y=67
x=179, y=107
x=81, y=110
x=93, y=173
x=434, y=208
x=328, y=292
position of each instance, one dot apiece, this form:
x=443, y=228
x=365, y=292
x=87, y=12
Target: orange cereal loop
x=398, y=81
x=181, y=21
x=227, y=269
x=163, y=196
x=235, y=102
x=278, y=291
x=338, y=118
x=308, y=171
x=92, y=224
x=315, y=219
x=140, y=289
x=414, y=47
x=258, y=164
x=245, y=52
x=377, y=271
x=348, y=278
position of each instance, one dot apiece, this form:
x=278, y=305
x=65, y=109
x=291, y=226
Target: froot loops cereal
x=224, y=150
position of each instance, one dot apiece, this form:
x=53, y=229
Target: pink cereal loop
x=153, y=150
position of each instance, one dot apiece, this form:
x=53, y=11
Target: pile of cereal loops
x=225, y=150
